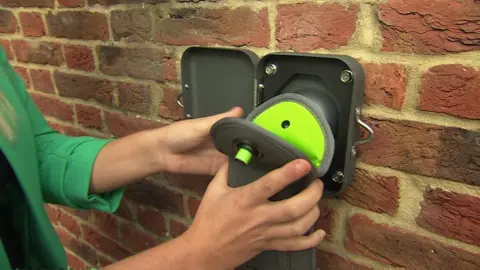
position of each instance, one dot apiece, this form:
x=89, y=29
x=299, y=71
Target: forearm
x=177, y=254
x=124, y=161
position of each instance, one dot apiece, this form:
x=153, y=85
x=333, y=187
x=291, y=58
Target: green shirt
x=50, y=168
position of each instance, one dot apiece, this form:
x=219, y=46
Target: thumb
x=205, y=123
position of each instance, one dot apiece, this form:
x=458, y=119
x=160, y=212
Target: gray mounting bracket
x=216, y=79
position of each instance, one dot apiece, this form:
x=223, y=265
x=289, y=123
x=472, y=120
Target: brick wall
x=111, y=67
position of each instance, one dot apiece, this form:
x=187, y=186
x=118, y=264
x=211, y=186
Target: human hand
x=186, y=146
x=232, y=225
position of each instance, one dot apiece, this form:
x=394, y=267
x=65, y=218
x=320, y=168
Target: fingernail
x=301, y=166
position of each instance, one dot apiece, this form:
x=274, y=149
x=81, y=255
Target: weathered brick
x=143, y=63
x=305, y=27
x=73, y=131
x=402, y=248
x=8, y=22
x=88, y=116
x=152, y=220
x=373, y=192
x=195, y=183
x=106, y=223
x=51, y=106
x=451, y=89
x=430, y=26
x=121, y=125
x=136, y=97
x=32, y=24
x=56, y=126
x=103, y=243
x=75, y=262
x=385, y=85
x=23, y=72
x=168, y=106
x=78, y=247
x=79, y=57
x=28, y=3
x=42, y=80
x=443, y=152
x=71, y=3
x=136, y=239
x=451, y=214
x=150, y=194
x=78, y=25
x=131, y=25
x=331, y=261
x=326, y=220
x=193, y=205
x=7, y=47
x=125, y=210
x=44, y=53
x=225, y=26
x=84, y=87
x=177, y=228
x=118, y=2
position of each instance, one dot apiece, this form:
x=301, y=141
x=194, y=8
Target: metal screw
x=337, y=177
x=354, y=152
x=189, y=115
x=261, y=86
x=271, y=69
x=187, y=86
x=346, y=76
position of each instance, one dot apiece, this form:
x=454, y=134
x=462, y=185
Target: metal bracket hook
x=366, y=127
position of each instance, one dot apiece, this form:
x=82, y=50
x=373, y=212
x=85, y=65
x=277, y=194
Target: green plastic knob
x=244, y=156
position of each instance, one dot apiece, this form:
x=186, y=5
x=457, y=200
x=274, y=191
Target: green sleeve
x=65, y=163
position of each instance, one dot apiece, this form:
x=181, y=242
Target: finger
x=297, y=227
x=203, y=125
x=276, y=180
x=221, y=177
x=297, y=243
x=296, y=206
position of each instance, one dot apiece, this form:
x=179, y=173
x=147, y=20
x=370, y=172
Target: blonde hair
x=7, y=117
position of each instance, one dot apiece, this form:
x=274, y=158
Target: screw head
x=189, y=115
x=346, y=76
x=271, y=69
x=187, y=86
x=337, y=177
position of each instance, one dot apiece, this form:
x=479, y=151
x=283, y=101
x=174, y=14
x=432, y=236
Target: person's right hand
x=232, y=225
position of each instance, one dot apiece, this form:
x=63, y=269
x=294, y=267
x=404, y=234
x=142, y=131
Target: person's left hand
x=187, y=147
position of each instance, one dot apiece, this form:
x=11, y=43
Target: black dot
x=285, y=124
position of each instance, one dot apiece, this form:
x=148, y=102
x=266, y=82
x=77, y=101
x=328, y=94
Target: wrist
x=149, y=142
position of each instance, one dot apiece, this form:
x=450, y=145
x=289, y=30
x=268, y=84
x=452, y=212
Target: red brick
x=121, y=125
x=148, y=193
x=331, y=261
x=73, y=131
x=402, y=248
x=385, y=85
x=53, y=107
x=88, y=116
x=42, y=80
x=56, y=126
x=225, y=26
x=169, y=107
x=152, y=220
x=44, y=53
x=104, y=261
x=436, y=151
x=142, y=63
x=71, y=3
x=86, y=215
x=23, y=72
x=106, y=223
x=79, y=57
x=28, y=3
x=75, y=262
x=117, y=2
x=451, y=89
x=84, y=87
x=68, y=222
x=195, y=183
x=373, y=192
x=7, y=47
x=32, y=24
x=78, y=25
x=136, y=97
x=103, y=243
x=8, y=22
x=326, y=220
x=451, y=214
x=305, y=27
x=136, y=239
x=125, y=210
x=74, y=244
x=193, y=205
x=131, y=25
x=177, y=228
x=430, y=26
